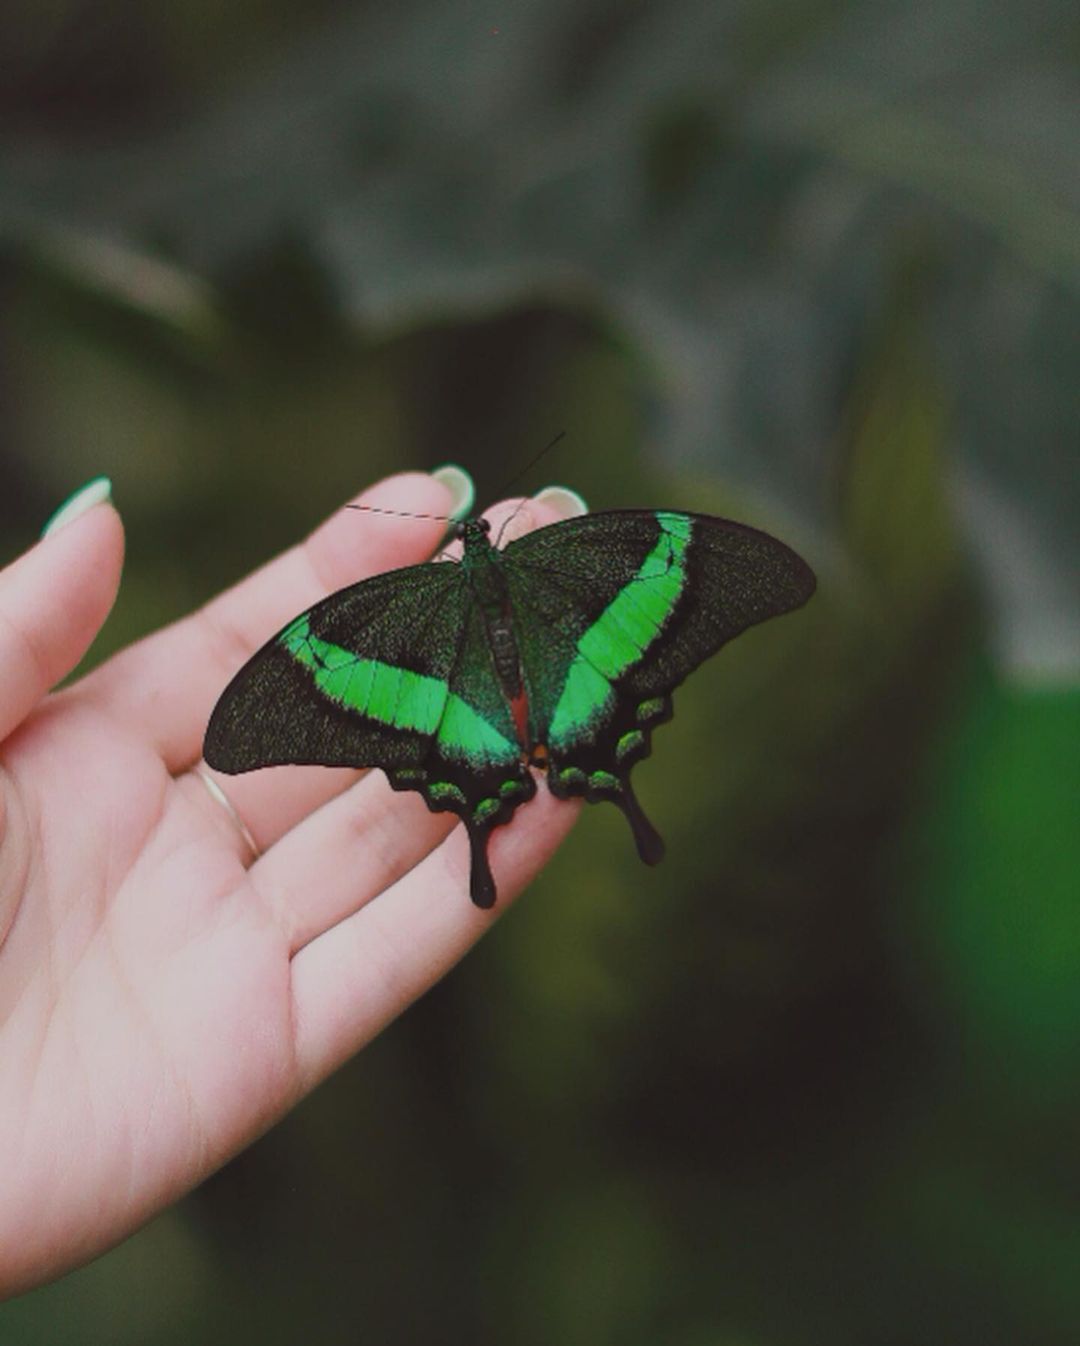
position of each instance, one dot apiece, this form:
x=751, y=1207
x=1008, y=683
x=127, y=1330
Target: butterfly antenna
x=445, y=518
x=517, y=477
x=400, y=513
x=508, y=521
x=529, y=465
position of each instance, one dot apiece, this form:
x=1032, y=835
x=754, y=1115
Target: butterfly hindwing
x=393, y=672
x=474, y=766
x=613, y=611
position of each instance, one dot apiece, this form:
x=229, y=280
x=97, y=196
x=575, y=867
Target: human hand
x=166, y=996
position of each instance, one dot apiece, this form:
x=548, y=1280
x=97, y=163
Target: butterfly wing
x=393, y=672
x=612, y=612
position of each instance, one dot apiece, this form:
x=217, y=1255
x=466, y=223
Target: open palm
x=166, y=995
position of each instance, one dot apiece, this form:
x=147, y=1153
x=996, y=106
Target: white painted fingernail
x=461, y=488
x=84, y=499
x=565, y=502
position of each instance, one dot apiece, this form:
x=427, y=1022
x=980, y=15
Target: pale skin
x=165, y=995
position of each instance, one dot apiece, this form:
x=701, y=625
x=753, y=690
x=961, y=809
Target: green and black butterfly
x=560, y=651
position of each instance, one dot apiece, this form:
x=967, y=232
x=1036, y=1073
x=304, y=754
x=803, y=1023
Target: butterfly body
x=483, y=567
x=560, y=651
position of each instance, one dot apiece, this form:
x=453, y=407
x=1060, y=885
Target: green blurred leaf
x=895, y=516
x=1000, y=887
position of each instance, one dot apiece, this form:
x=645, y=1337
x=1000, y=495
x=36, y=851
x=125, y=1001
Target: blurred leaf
x=435, y=161
x=895, y=516
x=1000, y=889
x=127, y=293
x=1026, y=213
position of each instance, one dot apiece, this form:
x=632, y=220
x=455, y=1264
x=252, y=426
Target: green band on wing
x=397, y=697
x=623, y=632
x=465, y=734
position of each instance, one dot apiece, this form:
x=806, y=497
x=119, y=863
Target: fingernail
x=85, y=498
x=565, y=502
x=460, y=486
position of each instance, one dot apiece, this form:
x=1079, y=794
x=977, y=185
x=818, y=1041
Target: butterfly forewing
x=734, y=578
x=358, y=680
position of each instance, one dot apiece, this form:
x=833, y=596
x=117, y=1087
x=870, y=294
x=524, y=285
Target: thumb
x=55, y=598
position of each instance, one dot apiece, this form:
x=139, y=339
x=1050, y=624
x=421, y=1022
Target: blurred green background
x=812, y=263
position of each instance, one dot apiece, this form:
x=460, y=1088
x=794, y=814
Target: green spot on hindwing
x=509, y=788
x=651, y=709
x=487, y=808
x=444, y=790
x=604, y=780
x=571, y=775
x=628, y=744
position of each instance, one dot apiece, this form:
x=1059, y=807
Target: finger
x=166, y=686
x=353, y=980
x=350, y=850
x=53, y=601
x=309, y=862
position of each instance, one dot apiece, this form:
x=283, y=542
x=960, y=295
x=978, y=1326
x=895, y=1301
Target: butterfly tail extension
x=649, y=842
x=482, y=799
x=494, y=808
x=481, y=882
x=570, y=781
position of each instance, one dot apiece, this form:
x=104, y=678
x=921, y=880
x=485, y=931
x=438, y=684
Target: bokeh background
x=812, y=263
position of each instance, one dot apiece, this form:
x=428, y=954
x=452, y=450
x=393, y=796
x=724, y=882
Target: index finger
x=166, y=685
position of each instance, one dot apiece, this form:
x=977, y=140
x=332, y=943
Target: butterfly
x=560, y=651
